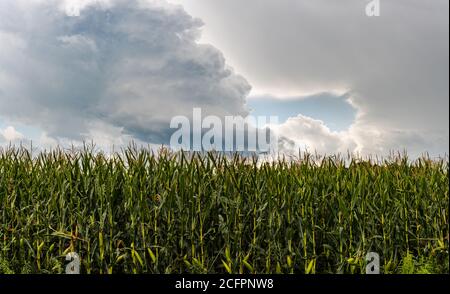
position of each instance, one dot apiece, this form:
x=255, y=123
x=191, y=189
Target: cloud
x=10, y=134
x=120, y=67
x=305, y=133
x=113, y=71
x=396, y=66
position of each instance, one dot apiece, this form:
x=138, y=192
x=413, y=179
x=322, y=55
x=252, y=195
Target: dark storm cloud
x=129, y=64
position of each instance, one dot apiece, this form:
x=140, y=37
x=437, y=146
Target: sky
x=115, y=71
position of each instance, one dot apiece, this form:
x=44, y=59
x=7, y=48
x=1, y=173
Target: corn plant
x=138, y=211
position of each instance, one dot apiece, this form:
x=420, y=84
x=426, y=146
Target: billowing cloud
x=120, y=68
x=10, y=134
x=395, y=66
x=307, y=134
x=114, y=70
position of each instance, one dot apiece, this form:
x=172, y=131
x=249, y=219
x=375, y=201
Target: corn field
x=135, y=211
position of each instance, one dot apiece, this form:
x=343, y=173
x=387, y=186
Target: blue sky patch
x=335, y=111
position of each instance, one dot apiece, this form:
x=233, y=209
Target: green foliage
x=139, y=212
x=4, y=267
x=411, y=265
x=408, y=264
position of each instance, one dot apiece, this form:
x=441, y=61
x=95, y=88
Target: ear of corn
x=137, y=212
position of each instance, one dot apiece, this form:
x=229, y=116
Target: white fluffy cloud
x=75, y=69
x=305, y=133
x=10, y=134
